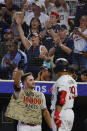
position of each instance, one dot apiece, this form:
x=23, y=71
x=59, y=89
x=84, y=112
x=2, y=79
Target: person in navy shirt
x=64, y=45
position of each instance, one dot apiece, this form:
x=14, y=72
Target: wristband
x=51, y=129
x=16, y=88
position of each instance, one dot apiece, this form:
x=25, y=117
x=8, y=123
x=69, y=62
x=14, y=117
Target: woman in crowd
x=79, y=36
x=36, y=53
x=35, y=26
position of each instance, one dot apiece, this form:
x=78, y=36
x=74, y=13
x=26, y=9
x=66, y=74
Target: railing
x=6, y=86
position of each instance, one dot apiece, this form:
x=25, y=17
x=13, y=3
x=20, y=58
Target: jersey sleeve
x=62, y=85
x=43, y=102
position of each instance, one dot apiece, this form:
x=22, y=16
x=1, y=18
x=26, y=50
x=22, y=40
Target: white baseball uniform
x=68, y=84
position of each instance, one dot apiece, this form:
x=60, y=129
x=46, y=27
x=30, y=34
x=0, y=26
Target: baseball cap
x=44, y=67
x=34, y=34
x=63, y=27
x=9, y=31
x=84, y=72
x=54, y=13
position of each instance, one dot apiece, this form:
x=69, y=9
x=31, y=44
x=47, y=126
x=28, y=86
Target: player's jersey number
x=72, y=92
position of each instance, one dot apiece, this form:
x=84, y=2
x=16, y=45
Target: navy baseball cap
x=45, y=67
x=84, y=72
x=62, y=27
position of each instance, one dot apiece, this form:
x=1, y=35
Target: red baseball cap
x=54, y=13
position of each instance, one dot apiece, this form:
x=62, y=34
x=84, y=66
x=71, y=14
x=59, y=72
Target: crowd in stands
x=34, y=36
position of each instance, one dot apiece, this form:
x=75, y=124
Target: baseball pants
x=25, y=127
x=67, y=118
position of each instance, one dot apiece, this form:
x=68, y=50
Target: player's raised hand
x=17, y=78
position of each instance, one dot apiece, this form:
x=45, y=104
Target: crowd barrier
x=6, y=86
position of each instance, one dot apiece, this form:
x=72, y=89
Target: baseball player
x=63, y=94
x=28, y=105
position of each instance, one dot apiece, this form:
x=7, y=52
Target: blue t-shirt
x=16, y=60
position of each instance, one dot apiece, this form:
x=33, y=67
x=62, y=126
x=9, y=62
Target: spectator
x=62, y=8
x=80, y=39
x=84, y=76
x=50, y=30
x=36, y=53
x=49, y=5
x=13, y=26
x=37, y=12
x=8, y=10
x=3, y=25
x=63, y=47
x=80, y=11
x=35, y=26
x=13, y=58
x=45, y=74
x=8, y=34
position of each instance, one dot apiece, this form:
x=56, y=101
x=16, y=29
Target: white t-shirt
x=63, y=14
x=79, y=42
x=68, y=84
x=29, y=15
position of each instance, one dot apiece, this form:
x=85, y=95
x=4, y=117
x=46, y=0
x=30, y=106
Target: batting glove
x=57, y=119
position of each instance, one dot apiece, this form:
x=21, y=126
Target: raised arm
x=63, y=47
x=24, y=7
x=17, y=87
x=25, y=41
